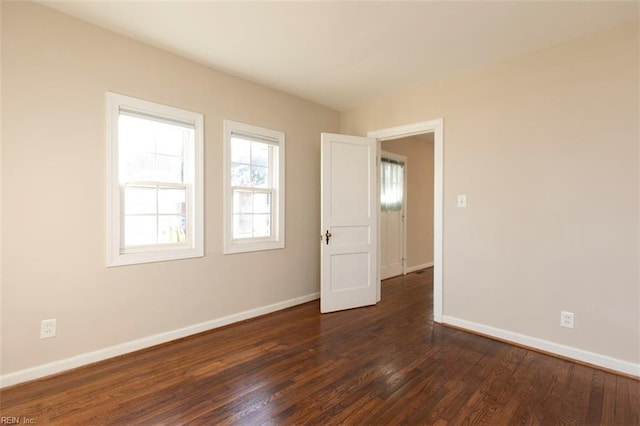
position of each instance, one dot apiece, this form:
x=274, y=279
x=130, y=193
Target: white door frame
x=437, y=128
x=405, y=163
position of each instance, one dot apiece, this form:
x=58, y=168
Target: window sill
x=153, y=256
x=245, y=247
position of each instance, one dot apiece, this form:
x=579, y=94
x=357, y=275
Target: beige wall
x=55, y=72
x=546, y=149
x=419, y=153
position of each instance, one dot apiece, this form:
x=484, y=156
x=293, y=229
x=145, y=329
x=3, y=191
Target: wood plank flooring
x=382, y=365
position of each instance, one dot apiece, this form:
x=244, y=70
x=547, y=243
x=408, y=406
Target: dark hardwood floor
x=380, y=365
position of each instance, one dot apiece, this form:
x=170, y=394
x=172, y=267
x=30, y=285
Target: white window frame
x=277, y=239
x=117, y=254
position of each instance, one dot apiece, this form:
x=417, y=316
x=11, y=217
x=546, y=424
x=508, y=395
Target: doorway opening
x=434, y=127
x=417, y=232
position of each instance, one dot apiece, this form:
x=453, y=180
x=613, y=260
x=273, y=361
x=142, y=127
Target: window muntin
x=155, y=176
x=252, y=185
x=155, y=182
x=254, y=172
x=154, y=214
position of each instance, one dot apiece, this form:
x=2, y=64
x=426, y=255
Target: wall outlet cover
x=48, y=328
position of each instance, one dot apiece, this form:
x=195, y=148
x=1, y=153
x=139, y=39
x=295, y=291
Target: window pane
x=135, y=134
x=151, y=150
x=137, y=166
x=172, y=229
x=259, y=154
x=240, y=175
x=259, y=177
x=170, y=139
x=242, y=202
x=261, y=203
x=242, y=225
x=391, y=177
x=137, y=147
x=172, y=201
x=139, y=230
x=261, y=225
x=139, y=200
x=169, y=169
x=240, y=151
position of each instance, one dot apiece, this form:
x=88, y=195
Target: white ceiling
x=340, y=54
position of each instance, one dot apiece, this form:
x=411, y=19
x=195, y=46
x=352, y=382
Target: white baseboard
x=411, y=269
x=44, y=370
x=592, y=358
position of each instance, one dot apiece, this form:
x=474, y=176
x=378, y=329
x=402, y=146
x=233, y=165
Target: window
x=254, y=188
x=155, y=182
x=392, y=178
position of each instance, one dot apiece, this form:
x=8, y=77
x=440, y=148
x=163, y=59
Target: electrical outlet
x=48, y=328
x=566, y=319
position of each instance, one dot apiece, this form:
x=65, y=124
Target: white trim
x=405, y=131
x=145, y=342
x=437, y=128
x=195, y=247
x=378, y=227
x=418, y=267
x=581, y=355
x=277, y=172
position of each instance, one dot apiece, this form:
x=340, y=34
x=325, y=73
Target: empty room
x=320, y=212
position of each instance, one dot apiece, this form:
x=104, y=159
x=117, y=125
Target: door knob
x=327, y=235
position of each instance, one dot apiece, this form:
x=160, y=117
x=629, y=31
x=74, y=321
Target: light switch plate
x=462, y=200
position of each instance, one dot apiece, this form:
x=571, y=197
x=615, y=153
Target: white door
x=392, y=215
x=391, y=243
x=349, y=222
